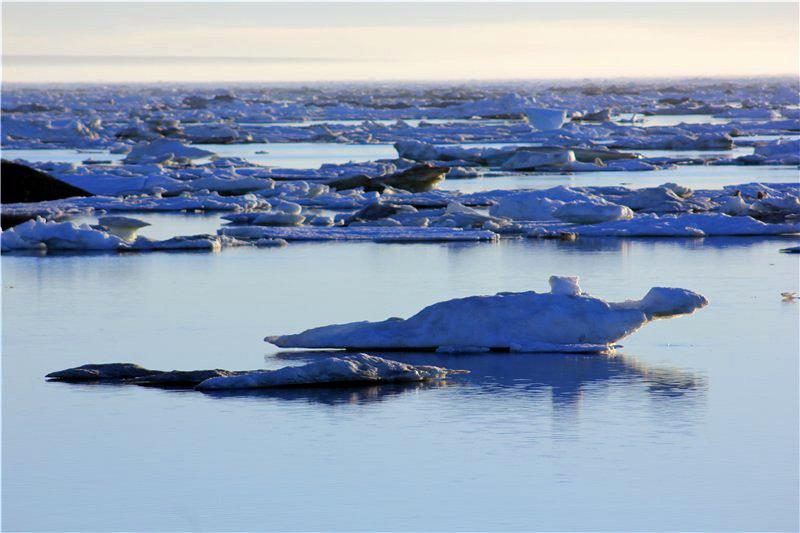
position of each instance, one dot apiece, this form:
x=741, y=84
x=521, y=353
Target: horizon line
x=584, y=79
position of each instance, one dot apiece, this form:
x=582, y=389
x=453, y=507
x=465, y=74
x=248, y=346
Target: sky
x=272, y=42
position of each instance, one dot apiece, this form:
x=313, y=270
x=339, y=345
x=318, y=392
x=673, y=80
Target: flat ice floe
x=152, y=203
x=163, y=150
x=346, y=369
x=41, y=235
x=564, y=320
x=354, y=369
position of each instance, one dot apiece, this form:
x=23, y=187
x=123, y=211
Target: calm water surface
x=693, y=426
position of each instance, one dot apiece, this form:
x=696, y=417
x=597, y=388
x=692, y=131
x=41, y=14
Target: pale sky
x=145, y=42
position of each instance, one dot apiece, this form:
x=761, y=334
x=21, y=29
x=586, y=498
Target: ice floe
x=564, y=320
x=41, y=235
x=346, y=369
x=354, y=369
x=123, y=227
x=162, y=150
x=545, y=119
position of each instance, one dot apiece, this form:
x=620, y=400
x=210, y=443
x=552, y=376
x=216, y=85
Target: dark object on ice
x=181, y=378
x=419, y=178
x=560, y=236
x=377, y=212
x=347, y=370
x=195, y=102
x=21, y=183
x=9, y=221
x=353, y=182
x=102, y=372
x=791, y=250
x=133, y=373
x=31, y=108
x=675, y=101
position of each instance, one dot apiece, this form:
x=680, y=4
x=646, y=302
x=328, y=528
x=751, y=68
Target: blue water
x=694, y=426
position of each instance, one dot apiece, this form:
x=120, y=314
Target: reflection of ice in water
x=331, y=395
x=565, y=376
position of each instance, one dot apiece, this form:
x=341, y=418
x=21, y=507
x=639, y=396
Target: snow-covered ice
x=161, y=161
x=41, y=235
x=564, y=320
x=162, y=151
x=345, y=369
x=123, y=227
x=545, y=119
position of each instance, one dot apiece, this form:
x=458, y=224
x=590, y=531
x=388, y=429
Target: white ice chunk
x=286, y=207
x=561, y=320
x=537, y=205
x=546, y=119
x=592, y=212
x=734, y=206
x=278, y=218
x=779, y=148
x=565, y=285
x=43, y=235
x=123, y=227
x=535, y=158
x=39, y=234
x=159, y=149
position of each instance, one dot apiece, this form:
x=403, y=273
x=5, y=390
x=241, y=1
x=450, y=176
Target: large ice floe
x=563, y=320
x=353, y=369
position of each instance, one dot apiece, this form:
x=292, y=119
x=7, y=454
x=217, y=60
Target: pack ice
x=563, y=320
